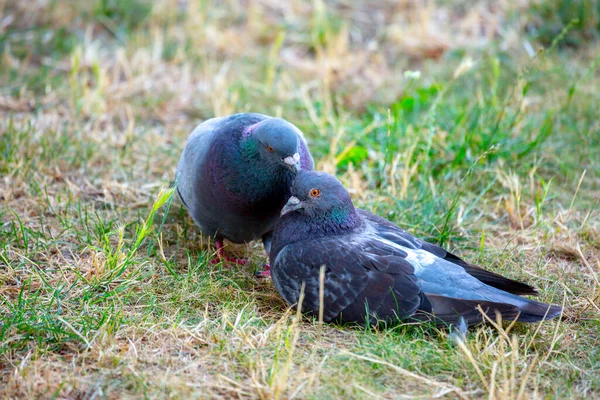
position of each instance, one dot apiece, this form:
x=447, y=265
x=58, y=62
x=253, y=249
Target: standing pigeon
x=235, y=173
x=375, y=271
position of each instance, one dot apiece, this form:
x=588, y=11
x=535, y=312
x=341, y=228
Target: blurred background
x=356, y=51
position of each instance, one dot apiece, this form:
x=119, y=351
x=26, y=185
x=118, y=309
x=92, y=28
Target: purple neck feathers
x=249, y=129
x=295, y=227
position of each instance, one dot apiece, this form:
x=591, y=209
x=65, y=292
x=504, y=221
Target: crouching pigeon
x=375, y=271
x=235, y=173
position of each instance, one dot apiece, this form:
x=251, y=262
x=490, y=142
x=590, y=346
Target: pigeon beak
x=293, y=162
x=292, y=204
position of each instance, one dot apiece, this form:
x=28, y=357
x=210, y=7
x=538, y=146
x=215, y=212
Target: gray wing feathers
x=357, y=280
x=393, y=233
x=194, y=154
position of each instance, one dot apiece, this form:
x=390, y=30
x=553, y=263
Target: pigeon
x=375, y=272
x=235, y=174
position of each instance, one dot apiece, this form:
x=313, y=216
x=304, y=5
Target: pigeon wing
x=359, y=280
x=391, y=232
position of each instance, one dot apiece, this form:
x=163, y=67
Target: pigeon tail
x=448, y=310
x=536, y=311
x=493, y=279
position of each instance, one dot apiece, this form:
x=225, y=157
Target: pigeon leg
x=266, y=239
x=220, y=256
x=265, y=273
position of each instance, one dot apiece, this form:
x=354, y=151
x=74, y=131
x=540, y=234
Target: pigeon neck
x=336, y=221
x=249, y=149
x=255, y=177
x=342, y=217
x=250, y=154
x=295, y=227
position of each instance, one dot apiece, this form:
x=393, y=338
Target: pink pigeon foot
x=220, y=256
x=265, y=273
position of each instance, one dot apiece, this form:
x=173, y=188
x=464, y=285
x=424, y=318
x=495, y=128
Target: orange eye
x=270, y=149
x=314, y=192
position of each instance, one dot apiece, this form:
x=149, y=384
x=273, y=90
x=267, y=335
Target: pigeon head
x=278, y=142
x=320, y=196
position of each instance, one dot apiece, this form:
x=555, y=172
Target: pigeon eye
x=314, y=192
x=270, y=149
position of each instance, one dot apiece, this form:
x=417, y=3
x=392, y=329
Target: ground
x=473, y=125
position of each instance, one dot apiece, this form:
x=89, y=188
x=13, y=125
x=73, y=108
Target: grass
x=492, y=152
